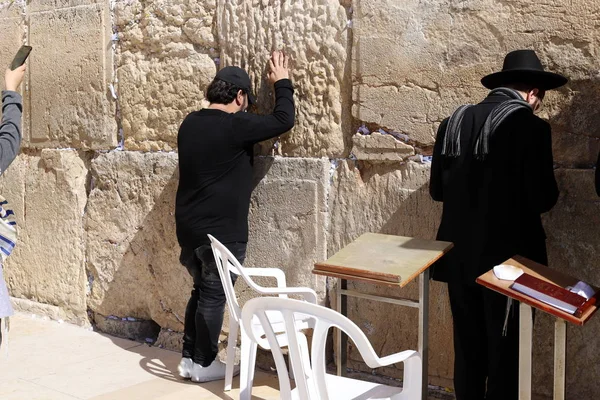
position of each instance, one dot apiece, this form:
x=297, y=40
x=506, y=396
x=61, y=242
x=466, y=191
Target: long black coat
x=492, y=208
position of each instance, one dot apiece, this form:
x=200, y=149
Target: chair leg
x=231, y=342
x=411, y=386
x=290, y=367
x=247, y=366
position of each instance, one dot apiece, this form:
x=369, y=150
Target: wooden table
x=490, y=281
x=385, y=260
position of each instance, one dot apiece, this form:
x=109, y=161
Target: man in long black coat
x=493, y=170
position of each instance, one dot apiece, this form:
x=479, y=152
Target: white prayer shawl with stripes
x=8, y=239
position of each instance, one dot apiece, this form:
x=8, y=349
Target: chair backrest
x=227, y=264
x=309, y=372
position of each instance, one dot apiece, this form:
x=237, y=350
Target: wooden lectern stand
x=490, y=281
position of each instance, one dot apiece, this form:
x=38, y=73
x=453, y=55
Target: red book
x=551, y=294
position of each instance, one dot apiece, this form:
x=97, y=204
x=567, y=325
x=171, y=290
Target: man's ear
x=239, y=99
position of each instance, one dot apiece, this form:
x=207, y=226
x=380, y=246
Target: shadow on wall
x=149, y=283
x=576, y=126
x=149, y=290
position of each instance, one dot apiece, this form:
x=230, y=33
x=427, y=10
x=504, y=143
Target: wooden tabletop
x=490, y=281
x=383, y=259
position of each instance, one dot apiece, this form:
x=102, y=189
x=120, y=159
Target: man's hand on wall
x=12, y=79
x=278, y=67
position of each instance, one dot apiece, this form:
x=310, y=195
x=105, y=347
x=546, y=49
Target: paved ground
x=52, y=361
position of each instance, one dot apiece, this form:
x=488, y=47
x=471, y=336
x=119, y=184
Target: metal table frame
x=343, y=293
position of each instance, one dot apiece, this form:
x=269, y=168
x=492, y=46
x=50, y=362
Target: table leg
x=560, y=344
x=423, y=345
x=341, y=353
x=525, y=348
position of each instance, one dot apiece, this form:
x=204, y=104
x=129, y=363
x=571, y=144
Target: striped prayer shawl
x=451, y=146
x=8, y=239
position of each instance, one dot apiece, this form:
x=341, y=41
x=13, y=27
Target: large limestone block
x=47, y=191
x=71, y=69
x=414, y=62
x=165, y=63
x=12, y=34
x=288, y=218
x=391, y=199
x=132, y=251
x=314, y=33
x=377, y=147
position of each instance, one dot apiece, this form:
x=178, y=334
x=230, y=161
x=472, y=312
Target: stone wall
x=109, y=82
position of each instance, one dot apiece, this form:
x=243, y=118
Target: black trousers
x=204, y=311
x=486, y=364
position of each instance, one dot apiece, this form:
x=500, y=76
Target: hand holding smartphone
x=15, y=73
x=20, y=57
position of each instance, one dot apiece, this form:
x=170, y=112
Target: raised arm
x=12, y=109
x=252, y=128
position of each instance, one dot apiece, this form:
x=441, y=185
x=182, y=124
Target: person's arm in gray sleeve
x=10, y=130
x=12, y=110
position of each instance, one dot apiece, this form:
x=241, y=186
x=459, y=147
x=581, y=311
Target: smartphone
x=20, y=57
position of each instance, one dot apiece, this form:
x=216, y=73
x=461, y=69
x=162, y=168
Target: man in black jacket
x=216, y=149
x=493, y=170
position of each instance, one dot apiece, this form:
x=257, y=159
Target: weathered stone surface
x=45, y=311
x=392, y=199
x=314, y=34
x=377, y=147
x=48, y=194
x=12, y=34
x=414, y=62
x=71, y=69
x=166, y=52
x=132, y=248
x=288, y=218
x=573, y=247
x=51, y=5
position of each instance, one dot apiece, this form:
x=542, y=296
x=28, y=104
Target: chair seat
x=276, y=320
x=340, y=387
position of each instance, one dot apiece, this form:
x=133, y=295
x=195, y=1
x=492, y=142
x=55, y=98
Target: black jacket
x=492, y=207
x=216, y=157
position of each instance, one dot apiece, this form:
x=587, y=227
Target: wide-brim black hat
x=524, y=66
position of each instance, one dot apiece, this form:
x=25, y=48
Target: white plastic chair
x=312, y=381
x=226, y=264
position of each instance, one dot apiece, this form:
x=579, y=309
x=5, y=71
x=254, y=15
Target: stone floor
x=52, y=361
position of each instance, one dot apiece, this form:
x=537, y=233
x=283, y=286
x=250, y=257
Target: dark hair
x=526, y=87
x=221, y=92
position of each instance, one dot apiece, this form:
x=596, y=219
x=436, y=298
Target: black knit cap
x=238, y=77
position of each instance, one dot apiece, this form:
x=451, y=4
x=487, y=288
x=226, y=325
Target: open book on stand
x=553, y=295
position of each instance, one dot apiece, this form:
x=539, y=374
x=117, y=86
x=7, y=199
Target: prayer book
x=552, y=294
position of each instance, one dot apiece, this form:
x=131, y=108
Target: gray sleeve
x=10, y=130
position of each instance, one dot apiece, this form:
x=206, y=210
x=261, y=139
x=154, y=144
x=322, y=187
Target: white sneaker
x=185, y=368
x=214, y=372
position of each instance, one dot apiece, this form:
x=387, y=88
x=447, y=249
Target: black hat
x=523, y=66
x=238, y=77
